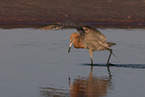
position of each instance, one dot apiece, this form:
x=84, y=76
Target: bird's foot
x=110, y=64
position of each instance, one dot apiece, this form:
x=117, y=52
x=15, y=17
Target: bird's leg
x=91, y=61
x=91, y=68
x=91, y=55
x=108, y=62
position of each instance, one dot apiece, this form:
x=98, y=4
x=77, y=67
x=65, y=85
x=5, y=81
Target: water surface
x=35, y=63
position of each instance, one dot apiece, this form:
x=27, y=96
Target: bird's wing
x=94, y=38
x=101, y=35
x=63, y=25
x=96, y=34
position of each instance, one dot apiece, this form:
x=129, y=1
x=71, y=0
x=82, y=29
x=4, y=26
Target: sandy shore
x=101, y=12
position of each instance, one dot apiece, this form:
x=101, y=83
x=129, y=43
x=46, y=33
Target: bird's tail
x=110, y=44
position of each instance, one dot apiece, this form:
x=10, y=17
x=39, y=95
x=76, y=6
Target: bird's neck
x=77, y=43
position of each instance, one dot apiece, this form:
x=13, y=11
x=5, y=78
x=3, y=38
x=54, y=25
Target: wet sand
x=35, y=13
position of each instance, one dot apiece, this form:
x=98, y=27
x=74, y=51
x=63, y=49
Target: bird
x=88, y=38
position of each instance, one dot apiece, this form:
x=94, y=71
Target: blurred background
x=34, y=13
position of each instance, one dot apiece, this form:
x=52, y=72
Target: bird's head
x=72, y=37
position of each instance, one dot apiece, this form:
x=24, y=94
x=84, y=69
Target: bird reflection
x=53, y=92
x=90, y=86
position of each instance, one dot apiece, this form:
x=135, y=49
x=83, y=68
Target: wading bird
x=88, y=37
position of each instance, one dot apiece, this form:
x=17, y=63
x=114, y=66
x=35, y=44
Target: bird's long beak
x=70, y=46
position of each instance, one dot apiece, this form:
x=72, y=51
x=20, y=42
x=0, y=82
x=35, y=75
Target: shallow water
x=35, y=63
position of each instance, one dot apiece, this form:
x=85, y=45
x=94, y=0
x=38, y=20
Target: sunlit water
x=35, y=63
